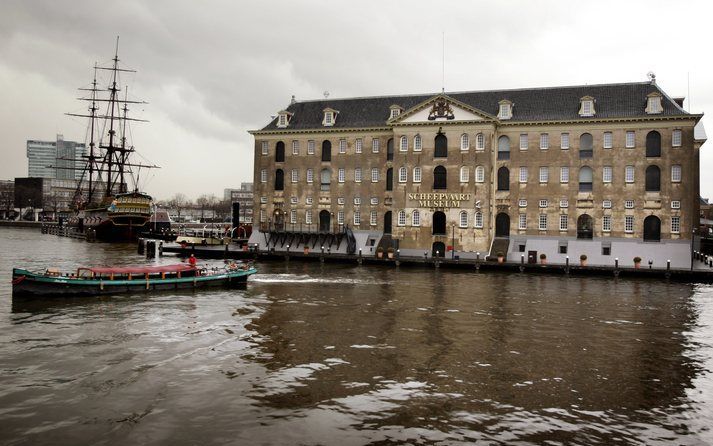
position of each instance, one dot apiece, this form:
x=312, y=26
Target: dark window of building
x=652, y=229
x=586, y=176
x=504, y=148
x=439, y=178
x=389, y=179
x=585, y=227
x=324, y=221
x=521, y=248
x=325, y=179
x=326, y=151
x=586, y=146
x=280, y=152
x=439, y=223
x=563, y=249
x=653, y=179
x=503, y=178
x=441, y=146
x=390, y=149
x=606, y=250
x=653, y=144
x=502, y=225
x=279, y=180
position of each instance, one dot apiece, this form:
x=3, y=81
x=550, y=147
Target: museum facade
x=607, y=171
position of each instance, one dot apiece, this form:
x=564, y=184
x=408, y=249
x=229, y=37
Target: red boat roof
x=141, y=269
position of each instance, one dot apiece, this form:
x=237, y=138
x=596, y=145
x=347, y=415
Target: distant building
x=7, y=199
x=55, y=159
x=51, y=196
x=244, y=196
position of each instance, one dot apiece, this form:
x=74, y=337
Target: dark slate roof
x=531, y=104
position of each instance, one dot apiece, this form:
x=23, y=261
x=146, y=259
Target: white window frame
x=373, y=218
x=309, y=201
x=564, y=218
x=310, y=147
x=263, y=176
x=479, y=174
x=606, y=223
x=357, y=218
x=293, y=216
x=341, y=174
x=263, y=217
x=341, y=200
x=542, y=222
x=374, y=175
x=416, y=218
x=357, y=201
x=543, y=203
x=310, y=175
x=630, y=139
x=358, y=145
x=357, y=175
x=295, y=175
x=479, y=142
x=522, y=222
x=629, y=224
x=401, y=218
x=629, y=174
x=464, y=142
x=375, y=145
x=308, y=216
x=564, y=141
x=564, y=203
x=478, y=220
x=417, y=174
x=522, y=176
x=340, y=218
x=544, y=141
x=464, y=174
x=463, y=219
x=676, y=173
x=265, y=148
x=608, y=140
x=263, y=199
x=564, y=174
x=403, y=144
x=675, y=204
x=524, y=141
x=606, y=204
x=417, y=143
x=675, y=224
x=676, y=138
x=342, y=145
x=607, y=174
x=403, y=174
x=629, y=204
x=295, y=147
x=544, y=174
x=522, y=203
x=374, y=201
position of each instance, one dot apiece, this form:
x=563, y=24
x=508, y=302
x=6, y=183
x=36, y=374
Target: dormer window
x=586, y=106
x=394, y=111
x=653, y=103
x=505, y=110
x=330, y=115
x=283, y=119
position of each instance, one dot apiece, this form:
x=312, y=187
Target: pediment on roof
x=441, y=108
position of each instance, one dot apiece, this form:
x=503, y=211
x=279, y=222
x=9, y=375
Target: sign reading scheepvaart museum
x=439, y=200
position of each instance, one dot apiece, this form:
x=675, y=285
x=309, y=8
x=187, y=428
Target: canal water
x=316, y=354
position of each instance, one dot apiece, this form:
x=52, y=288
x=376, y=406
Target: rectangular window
x=342, y=146
x=293, y=200
x=309, y=200
x=522, y=203
x=606, y=223
x=523, y=174
x=630, y=140
x=375, y=145
x=479, y=220
x=403, y=175
x=542, y=222
x=295, y=147
x=563, y=222
x=464, y=174
x=544, y=174
x=374, y=201
x=295, y=175
x=358, y=145
x=544, y=141
x=402, y=218
x=564, y=141
x=606, y=204
x=416, y=218
x=357, y=201
x=607, y=174
x=676, y=173
x=340, y=200
x=629, y=174
x=357, y=175
x=676, y=224
x=563, y=249
x=263, y=176
x=608, y=140
x=310, y=147
x=523, y=141
x=372, y=218
x=543, y=203
x=262, y=216
x=629, y=204
x=357, y=218
x=676, y=138
x=564, y=175
x=265, y=148
x=310, y=175
x=308, y=217
x=675, y=204
x=416, y=174
x=629, y=224
x=293, y=216
x=340, y=218
x=403, y=145
x=522, y=222
x=374, y=175
x=341, y=174
x=463, y=219
x=564, y=203
x=263, y=200
x=479, y=174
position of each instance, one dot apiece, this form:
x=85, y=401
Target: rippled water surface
x=340, y=354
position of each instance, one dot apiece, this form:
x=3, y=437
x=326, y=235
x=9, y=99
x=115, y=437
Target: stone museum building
x=609, y=171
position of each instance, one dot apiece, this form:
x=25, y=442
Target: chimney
x=293, y=100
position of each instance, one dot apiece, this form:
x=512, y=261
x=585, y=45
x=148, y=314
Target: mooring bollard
x=477, y=257
x=651, y=262
x=566, y=265
x=616, y=263
x=668, y=265
x=287, y=256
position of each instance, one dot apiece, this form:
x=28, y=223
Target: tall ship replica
x=105, y=207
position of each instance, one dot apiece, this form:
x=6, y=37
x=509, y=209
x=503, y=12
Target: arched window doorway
x=585, y=227
x=279, y=180
x=503, y=148
x=502, y=225
x=441, y=143
x=438, y=249
x=439, y=223
x=280, y=152
x=503, y=178
x=653, y=179
x=653, y=144
x=586, y=176
x=279, y=220
x=440, y=177
x=387, y=222
x=324, y=221
x=652, y=229
x=326, y=151
x=586, y=146
x=390, y=179
x=390, y=149
x=325, y=178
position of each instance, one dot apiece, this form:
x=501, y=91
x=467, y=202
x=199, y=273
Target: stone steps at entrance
x=500, y=244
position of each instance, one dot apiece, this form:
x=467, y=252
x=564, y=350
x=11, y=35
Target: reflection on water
x=319, y=354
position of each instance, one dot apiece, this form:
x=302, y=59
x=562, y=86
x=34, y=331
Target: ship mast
x=110, y=149
x=92, y=112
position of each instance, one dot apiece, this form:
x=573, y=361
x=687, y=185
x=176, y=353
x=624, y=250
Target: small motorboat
x=127, y=279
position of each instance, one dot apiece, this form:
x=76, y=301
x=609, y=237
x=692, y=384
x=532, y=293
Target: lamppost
x=453, y=241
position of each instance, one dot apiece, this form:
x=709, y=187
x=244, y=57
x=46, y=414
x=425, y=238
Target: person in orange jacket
x=192, y=260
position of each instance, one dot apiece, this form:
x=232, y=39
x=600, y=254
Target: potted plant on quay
x=390, y=252
x=637, y=262
x=379, y=252
x=543, y=258
x=583, y=260
x=501, y=257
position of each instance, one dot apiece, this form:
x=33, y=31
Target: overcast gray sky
x=211, y=71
